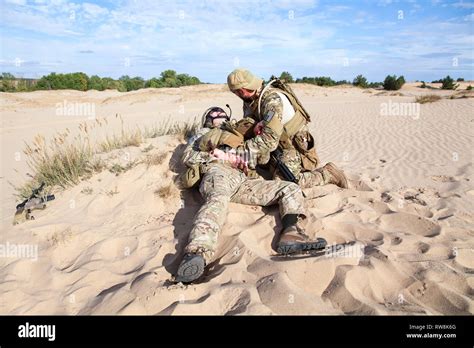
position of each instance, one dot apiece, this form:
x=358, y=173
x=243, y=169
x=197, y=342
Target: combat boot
x=191, y=268
x=293, y=239
x=333, y=175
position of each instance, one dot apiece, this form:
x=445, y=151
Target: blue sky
x=420, y=39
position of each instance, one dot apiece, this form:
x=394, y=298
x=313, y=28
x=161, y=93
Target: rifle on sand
x=282, y=167
x=35, y=201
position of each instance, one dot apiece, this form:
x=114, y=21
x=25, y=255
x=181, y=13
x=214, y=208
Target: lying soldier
x=223, y=179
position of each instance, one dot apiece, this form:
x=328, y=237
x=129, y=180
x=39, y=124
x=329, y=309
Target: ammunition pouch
x=275, y=125
x=190, y=177
x=290, y=129
x=210, y=140
x=303, y=142
x=231, y=139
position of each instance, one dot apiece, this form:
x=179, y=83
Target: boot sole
x=293, y=248
x=190, y=270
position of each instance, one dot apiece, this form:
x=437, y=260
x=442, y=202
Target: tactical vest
x=297, y=122
x=294, y=134
x=231, y=134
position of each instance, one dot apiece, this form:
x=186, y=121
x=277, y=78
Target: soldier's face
x=218, y=118
x=217, y=122
x=245, y=94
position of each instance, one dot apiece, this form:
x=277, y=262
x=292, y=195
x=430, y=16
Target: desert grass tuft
x=165, y=191
x=65, y=160
x=429, y=98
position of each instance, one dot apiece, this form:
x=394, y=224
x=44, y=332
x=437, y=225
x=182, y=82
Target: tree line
x=391, y=82
x=169, y=78
x=82, y=82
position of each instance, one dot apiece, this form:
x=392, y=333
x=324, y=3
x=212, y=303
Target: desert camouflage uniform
x=272, y=105
x=222, y=184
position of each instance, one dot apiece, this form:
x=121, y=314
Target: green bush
x=171, y=82
x=320, y=81
x=168, y=74
x=110, y=83
x=132, y=83
x=7, y=82
x=169, y=78
x=392, y=83
x=423, y=84
x=78, y=81
x=285, y=75
x=327, y=81
x=375, y=84
x=153, y=83
x=468, y=88
x=448, y=83
x=360, y=81
x=95, y=82
x=51, y=81
x=186, y=80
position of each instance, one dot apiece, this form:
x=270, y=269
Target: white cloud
x=384, y=2
x=71, y=32
x=463, y=4
x=17, y=2
x=337, y=8
x=469, y=17
x=213, y=33
x=93, y=10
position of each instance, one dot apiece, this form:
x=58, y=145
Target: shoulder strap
x=261, y=95
x=286, y=89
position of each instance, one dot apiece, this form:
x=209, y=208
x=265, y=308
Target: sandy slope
x=109, y=244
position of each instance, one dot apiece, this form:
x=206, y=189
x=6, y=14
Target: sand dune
x=110, y=244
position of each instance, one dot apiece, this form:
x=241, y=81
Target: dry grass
x=64, y=162
x=117, y=168
x=165, y=191
x=148, y=148
x=462, y=94
x=429, y=98
x=111, y=193
x=155, y=159
x=97, y=165
x=62, y=237
x=124, y=139
x=87, y=190
x=60, y=163
x=170, y=127
x=133, y=138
